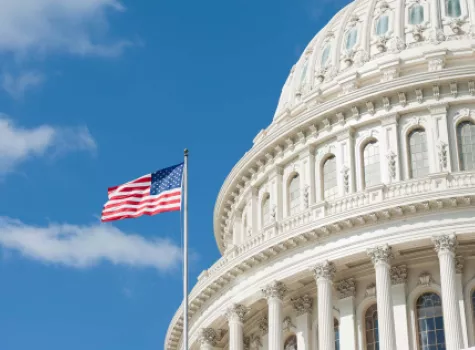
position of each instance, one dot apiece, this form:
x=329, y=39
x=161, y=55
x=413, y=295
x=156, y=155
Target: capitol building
x=350, y=223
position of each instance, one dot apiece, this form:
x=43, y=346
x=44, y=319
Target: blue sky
x=94, y=93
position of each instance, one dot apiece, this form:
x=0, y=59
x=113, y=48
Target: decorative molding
x=276, y=289
x=208, y=336
x=303, y=304
x=380, y=254
x=287, y=324
x=346, y=288
x=425, y=279
x=263, y=325
x=236, y=313
x=445, y=243
x=325, y=270
x=398, y=274
x=459, y=261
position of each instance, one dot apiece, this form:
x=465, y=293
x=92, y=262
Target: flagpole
x=185, y=251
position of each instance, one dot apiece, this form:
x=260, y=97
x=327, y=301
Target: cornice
x=308, y=120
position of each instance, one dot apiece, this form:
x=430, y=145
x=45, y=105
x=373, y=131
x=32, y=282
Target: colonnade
x=388, y=281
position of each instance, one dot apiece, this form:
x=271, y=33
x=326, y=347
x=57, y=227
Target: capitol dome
x=350, y=223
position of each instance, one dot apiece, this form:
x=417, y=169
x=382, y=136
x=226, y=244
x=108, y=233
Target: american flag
x=148, y=195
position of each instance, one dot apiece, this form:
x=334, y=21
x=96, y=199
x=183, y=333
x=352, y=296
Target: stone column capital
x=399, y=274
x=445, y=244
x=381, y=254
x=325, y=270
x=303, y=304
x=263, y=325
x=346, y=288
x=236, y=313
x=208, y=336
x=276, y=289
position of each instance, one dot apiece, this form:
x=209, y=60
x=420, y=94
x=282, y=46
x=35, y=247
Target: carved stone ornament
x=456, y=25
x=275, y=290
x=287, y=324
x=391, y=156
x=425, y=279
x=442, y=146
x=459, y=264
x=263, y=325
x=208, y=336
x=445, y=243
x=237, y=312
x=396, y=44
x=370, y=291
x=399, y=274
x=346, y=178
x=417, y=32
x=381, y=254
x=306, y=196
x=436, y=64
x=325, y=270
x=302, y=304
x=346, y=288
x=255, y=342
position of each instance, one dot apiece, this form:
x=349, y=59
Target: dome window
x=325, y=55
x=330, y=181
x=266, y=210
x=418, y=154
x=453, y=8
x=416, y=14
x=382, y=25
x=372, y=169
x=294, y=195
x=351, y=37
x=466, y=143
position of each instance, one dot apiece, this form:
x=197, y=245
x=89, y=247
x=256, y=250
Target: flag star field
x=98, y=100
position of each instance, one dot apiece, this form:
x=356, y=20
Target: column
x=274, y=293
x=237, y=228
x=235, y=315
x=381, y=257
x=461, y=299
x=303, y=307
x=399, y=279
x=347, y=292
x=324, y=274
x=445, y=247
x=208, y=338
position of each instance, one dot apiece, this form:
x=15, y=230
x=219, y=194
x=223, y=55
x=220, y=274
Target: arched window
x=294, y=195
x=336, y=327
x=350, y=40
x=372, y=168
x=466, y=143
x=326, y=54
x=382, y=25
x=265, y=210
x=330, y=183
x=453, y=8
x=416, y=14
x=291, y=343
x=419, y=158
x=430, y=322
x=371, y=328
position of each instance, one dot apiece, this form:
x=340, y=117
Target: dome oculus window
x=351, y=37
x=330, y=183
x=371, y=328
x=466, y=143
x=418, y=155
x=416, y=14
x=453, y=8
x=325, y=55
x=430, y=322
x=382, y=25
x=372, y=168
x=294, y=195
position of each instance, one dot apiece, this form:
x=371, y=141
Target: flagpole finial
x=186, y=151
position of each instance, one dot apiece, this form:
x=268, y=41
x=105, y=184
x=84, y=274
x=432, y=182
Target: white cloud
x=72, y=26
x=86, y=246
x=17, y=144
x=16, y=86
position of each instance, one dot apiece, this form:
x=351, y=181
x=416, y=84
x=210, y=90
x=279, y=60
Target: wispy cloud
x=86, y=246
x=16, y=86
x=18, y=144
x=71, y=26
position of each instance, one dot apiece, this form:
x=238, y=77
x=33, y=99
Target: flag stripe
x=147, y=195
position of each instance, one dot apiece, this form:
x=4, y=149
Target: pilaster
x=441, y=159
x=307, y=170
x=255, y=210
x=398, y=291
x=276, y=195
x=461, y=301
x=303, y=307
x=389, y=149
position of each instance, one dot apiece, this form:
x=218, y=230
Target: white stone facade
x=358, y=200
